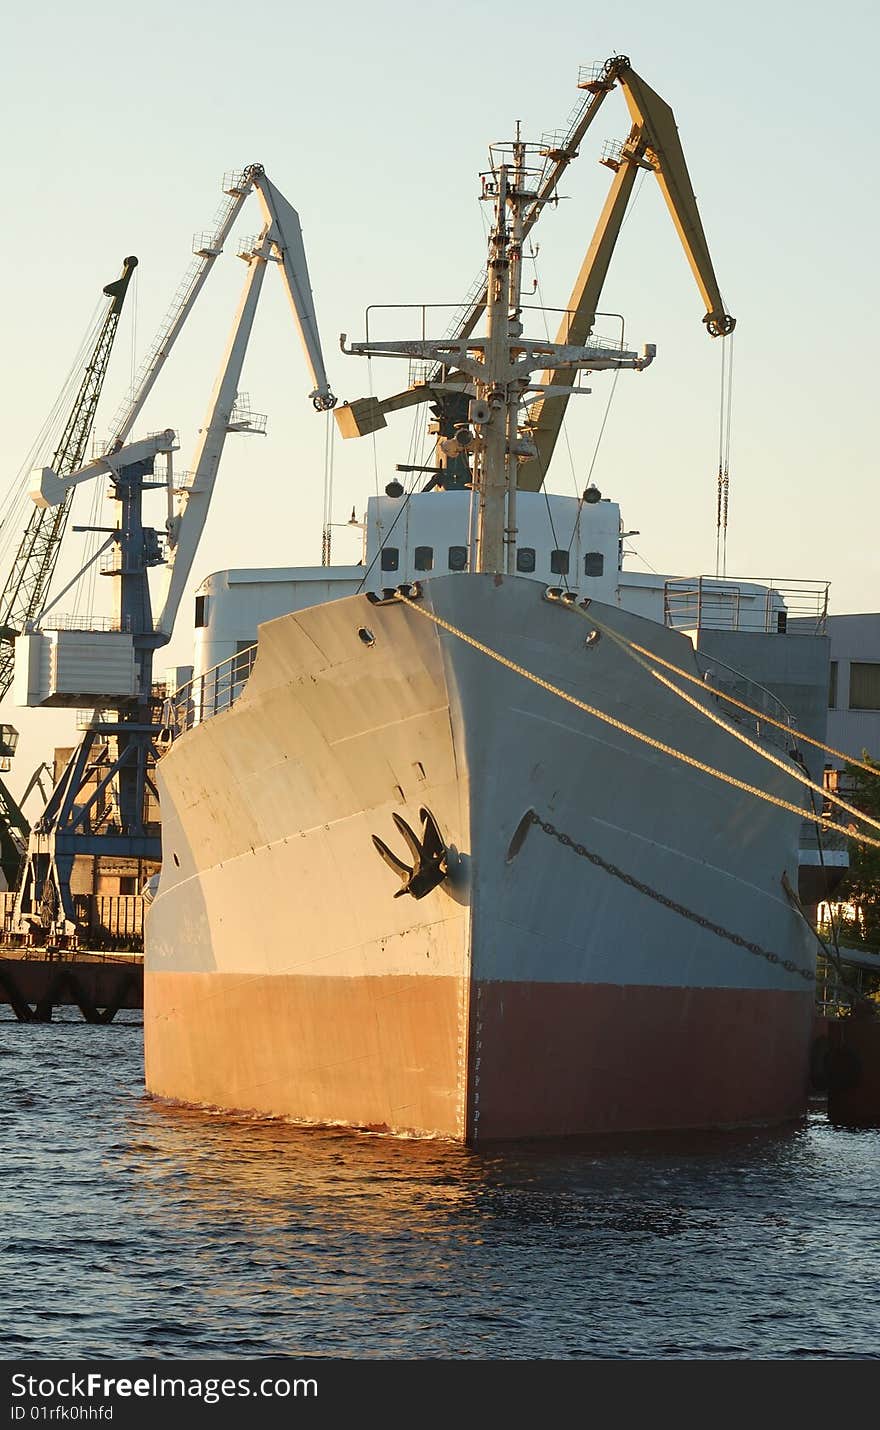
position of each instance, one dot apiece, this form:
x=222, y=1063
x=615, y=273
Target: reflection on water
x=138, y=1228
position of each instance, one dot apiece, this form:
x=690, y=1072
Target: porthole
x=366, y=635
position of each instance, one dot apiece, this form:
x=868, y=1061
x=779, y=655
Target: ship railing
x=763, y=605
x=721, y=679
x=424, y=370
x=210, y=693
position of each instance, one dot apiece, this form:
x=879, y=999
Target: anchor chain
x=581, y=850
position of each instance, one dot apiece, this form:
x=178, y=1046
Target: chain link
x=568, y=843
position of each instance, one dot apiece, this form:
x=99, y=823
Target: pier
x=34, y=982
x=99, y=969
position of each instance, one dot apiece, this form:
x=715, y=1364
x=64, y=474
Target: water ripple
x=132, y=1228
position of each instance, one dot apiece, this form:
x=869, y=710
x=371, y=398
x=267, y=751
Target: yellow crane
x=652, y=144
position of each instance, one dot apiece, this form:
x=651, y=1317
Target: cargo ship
x=468, y=841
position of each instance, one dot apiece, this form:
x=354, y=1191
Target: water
x=134, y=1229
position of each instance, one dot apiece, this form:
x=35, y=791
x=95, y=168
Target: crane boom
x=184, y=529
x=652, y=144
x=280, y=242
x=27, y=584
x=237, y=186
x=664, y=153
x=367, y=414
x=285, y=235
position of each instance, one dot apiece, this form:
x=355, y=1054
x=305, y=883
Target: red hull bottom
x=558, y=1059
x=407, y=1054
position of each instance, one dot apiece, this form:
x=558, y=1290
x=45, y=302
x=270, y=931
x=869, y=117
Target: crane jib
x=27, y=585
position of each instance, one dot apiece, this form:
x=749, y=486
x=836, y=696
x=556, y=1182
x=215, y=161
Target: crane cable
x=723, y=482
x=621, y=725
x=326, y=534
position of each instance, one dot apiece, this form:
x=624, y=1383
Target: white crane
x=123, y=658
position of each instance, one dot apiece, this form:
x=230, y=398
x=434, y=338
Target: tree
x=860, y=887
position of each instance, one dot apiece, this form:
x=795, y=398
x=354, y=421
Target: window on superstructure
x=201, y=611
x=559, y=563
x=390, y=558
x=832, y=685
x=458, y=558
x=424, y=558
x=525, y=558
x=594, y=564
x=864, y=685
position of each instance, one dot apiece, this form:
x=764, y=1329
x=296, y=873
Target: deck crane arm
x=659, y=139
x=27, y=584
x=652, y=144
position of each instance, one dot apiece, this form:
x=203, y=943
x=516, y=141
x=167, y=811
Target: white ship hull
x=533, y=993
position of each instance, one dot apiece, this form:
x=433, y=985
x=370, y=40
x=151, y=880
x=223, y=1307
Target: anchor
x=429, y=863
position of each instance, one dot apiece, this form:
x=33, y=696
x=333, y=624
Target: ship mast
x=499, y=368
x=502, y=389
x=514, y=328
x=496, y=389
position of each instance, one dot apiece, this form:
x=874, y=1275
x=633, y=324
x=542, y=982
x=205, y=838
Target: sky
x=374, y=122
